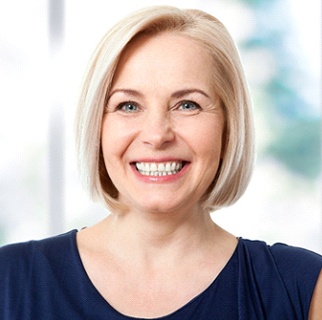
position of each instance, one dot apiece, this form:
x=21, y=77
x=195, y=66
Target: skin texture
x=155, y=77
x=161, y=108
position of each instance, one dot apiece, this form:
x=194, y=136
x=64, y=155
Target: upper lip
x=179, y=164
x=159, y=160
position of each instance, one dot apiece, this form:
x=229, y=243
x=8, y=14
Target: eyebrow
x=176, y=94
x=184, y=92
x=126, y=91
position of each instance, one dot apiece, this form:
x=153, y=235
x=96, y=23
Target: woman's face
x=163, y=127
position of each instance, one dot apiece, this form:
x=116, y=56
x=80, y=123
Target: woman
x=164, y=136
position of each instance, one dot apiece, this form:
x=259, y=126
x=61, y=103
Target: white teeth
x=158, y=169
x=161, y=167
x=153, y=167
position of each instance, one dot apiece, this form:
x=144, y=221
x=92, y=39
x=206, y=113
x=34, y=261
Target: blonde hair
x=229, y=84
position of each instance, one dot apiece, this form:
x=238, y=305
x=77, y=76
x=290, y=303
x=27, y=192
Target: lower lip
x=160, y=179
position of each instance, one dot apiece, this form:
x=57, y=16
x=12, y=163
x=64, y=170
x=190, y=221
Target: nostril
x=157, y=134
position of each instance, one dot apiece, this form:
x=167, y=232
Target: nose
x=157, y=130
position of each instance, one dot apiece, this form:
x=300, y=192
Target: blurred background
x=44, y=48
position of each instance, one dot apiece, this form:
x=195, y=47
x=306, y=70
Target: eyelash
x=188, y=102
x=178, y=106
x=120, y=107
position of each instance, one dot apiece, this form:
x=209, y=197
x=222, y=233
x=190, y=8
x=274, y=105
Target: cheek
x=115, y=141
x=208, y=139
x=109, y=135
x=116, y=137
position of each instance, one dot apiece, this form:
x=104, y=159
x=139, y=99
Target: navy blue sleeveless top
x=45, y=280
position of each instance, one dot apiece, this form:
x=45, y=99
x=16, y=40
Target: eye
x=128, y=106
x=188, y=106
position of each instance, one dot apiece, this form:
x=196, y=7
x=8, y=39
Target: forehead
x=164, y=55
x=165, y=44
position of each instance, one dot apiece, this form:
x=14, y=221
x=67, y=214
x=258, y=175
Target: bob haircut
x=229, y=83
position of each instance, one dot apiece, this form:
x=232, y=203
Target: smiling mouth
x=159, y=169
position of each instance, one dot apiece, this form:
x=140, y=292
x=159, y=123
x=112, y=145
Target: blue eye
x=128, y=107
x=189, y=105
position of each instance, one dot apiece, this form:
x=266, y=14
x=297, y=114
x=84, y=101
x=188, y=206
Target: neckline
x=98, y=297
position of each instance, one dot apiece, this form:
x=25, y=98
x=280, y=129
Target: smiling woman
x=226, y=81
x=164, y=135
x=173, y=94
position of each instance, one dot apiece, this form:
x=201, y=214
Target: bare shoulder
x=316, y=302
x=90, y=238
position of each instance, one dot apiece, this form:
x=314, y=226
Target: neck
x=154, y=237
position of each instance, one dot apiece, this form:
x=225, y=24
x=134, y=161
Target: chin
x=160, y=207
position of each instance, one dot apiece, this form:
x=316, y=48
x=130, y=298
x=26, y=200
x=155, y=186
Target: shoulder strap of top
x=299, y=268
x=271, y=280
